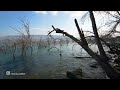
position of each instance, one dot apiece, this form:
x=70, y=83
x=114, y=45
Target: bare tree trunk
x=102, y=59
x=102, y=52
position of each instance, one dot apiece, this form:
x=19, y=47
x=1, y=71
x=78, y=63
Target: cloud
x=72, y=14
x=54, y=13
x=41, y=12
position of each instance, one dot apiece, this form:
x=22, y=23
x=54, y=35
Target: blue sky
x=41, y=21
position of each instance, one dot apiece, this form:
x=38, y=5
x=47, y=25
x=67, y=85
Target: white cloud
x=54, y=13
x=72, y=14
x=41, y=12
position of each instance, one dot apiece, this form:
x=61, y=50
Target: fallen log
x=81, y=57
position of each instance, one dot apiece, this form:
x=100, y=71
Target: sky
x=41, y=21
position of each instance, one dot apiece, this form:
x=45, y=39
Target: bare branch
x=118, y=12
x=17, y=30
x=66, y=34
x=81, y=33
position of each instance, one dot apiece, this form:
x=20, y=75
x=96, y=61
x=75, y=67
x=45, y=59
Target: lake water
x=44, y=64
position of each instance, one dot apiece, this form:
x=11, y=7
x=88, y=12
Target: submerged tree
x=102, y=59
x=25, y=40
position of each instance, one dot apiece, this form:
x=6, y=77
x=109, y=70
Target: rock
x=77, y=74
x=117, y=61
x=93, y=65
x=117, y=67
x=71, y=75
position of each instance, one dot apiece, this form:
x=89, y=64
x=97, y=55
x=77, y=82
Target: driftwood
x=82, y=57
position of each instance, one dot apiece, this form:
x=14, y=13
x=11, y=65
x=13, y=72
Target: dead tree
x=26, y=39
x=102, y=59
x=14, y=47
